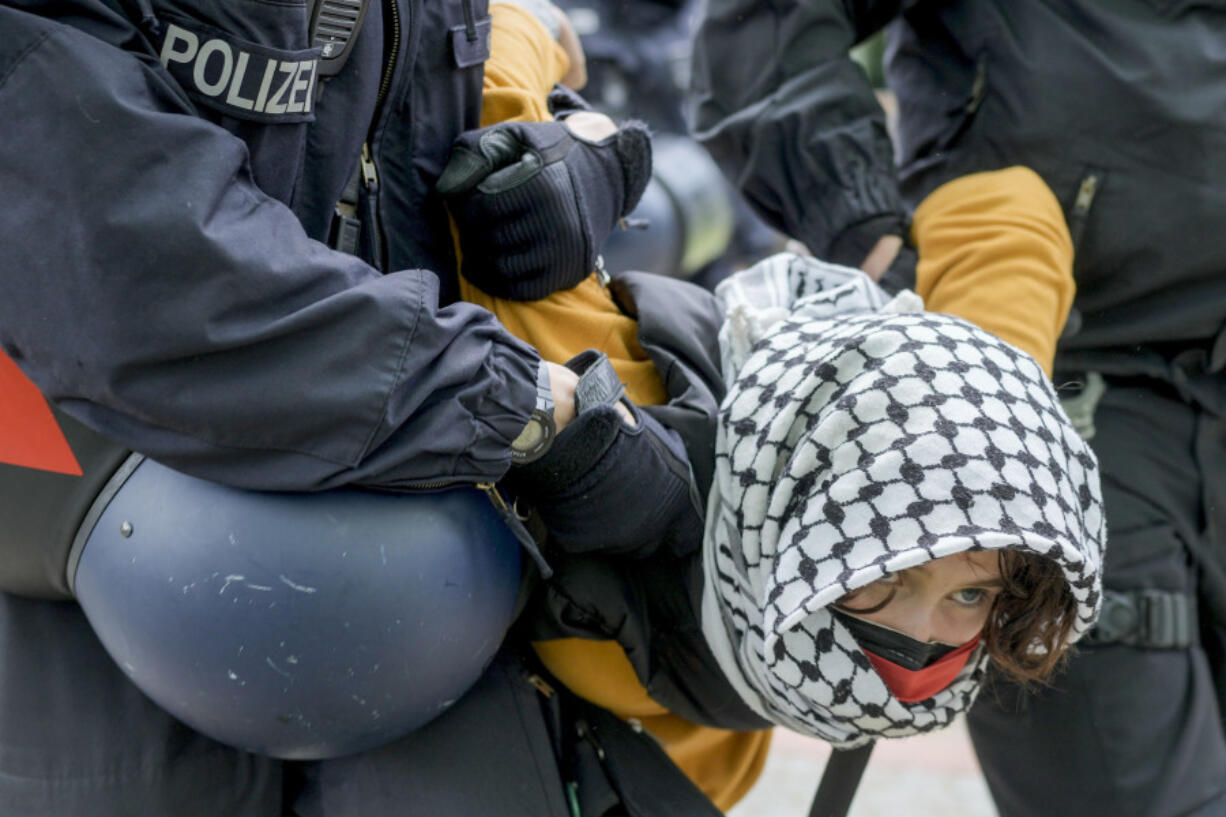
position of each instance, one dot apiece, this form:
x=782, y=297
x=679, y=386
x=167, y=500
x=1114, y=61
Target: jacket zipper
x=370, y=172
x=370, y=176
x=389, y=70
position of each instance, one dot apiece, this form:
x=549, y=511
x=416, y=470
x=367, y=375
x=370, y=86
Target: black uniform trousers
x=1125, y=731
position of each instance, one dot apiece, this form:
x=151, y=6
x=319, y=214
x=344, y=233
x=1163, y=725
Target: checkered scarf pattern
x=862, y=436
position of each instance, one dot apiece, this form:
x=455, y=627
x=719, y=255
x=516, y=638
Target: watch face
x=535, y=439
x=531, y=437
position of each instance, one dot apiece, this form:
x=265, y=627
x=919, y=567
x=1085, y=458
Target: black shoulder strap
x=840, y=781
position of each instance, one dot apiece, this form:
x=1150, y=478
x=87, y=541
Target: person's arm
x=152, y=290
x=795, y=122
x=995, y=250
x=525, y=63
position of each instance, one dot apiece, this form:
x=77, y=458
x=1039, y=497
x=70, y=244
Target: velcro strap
x=598, y=384
x=470, y=43
x=1154, y=619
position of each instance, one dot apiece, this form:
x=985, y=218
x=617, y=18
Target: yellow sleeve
x=524, y=65
x=994, y=249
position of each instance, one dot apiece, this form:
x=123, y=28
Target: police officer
x=1119, y=107
x=227, y=254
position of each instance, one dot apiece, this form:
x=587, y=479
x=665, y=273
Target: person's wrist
x=562, y=383
x=902, y=271
x=854, y=244
x=881, y=256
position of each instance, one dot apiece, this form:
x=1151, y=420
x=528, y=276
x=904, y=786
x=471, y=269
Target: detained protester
x=895, y=500
x=242, y=273
x=898, y=498
x=1072, y=90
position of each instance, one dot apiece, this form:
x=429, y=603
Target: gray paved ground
x=928, y=776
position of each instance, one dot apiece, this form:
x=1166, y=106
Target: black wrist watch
x=538, y=434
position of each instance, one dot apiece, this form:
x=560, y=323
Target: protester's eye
x=970, y=596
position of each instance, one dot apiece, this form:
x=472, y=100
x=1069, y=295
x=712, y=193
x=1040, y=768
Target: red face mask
x=912, y=669
x=910, y=685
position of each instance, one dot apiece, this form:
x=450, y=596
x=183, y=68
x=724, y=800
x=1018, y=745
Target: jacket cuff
x=504, y=409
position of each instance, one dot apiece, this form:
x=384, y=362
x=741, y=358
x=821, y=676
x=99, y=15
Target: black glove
x=607, y=487
x=534, y=203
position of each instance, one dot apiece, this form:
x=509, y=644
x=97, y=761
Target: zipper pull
x=516, y=525
x=978, y=86
x=542, y=686
x=1085, y=194
x=602, y=274
x=369, y=176
x=637, y=727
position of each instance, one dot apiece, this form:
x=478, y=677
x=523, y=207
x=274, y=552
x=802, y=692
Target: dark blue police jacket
x=171, y=168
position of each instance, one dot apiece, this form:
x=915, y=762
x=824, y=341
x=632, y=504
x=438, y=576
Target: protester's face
x=945, y=600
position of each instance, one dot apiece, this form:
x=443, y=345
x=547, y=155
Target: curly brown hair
x=1027, y=633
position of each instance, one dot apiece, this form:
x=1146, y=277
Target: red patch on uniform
x=29, y=435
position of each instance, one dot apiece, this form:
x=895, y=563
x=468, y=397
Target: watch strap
x=544, y=391
x=598, y=383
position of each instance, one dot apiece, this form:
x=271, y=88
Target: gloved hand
x=534, y=202
x=607, y=486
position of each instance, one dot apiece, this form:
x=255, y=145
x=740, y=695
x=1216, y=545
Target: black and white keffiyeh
x=862, y=436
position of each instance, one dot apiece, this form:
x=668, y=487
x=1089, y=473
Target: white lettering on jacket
x=249, y=80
